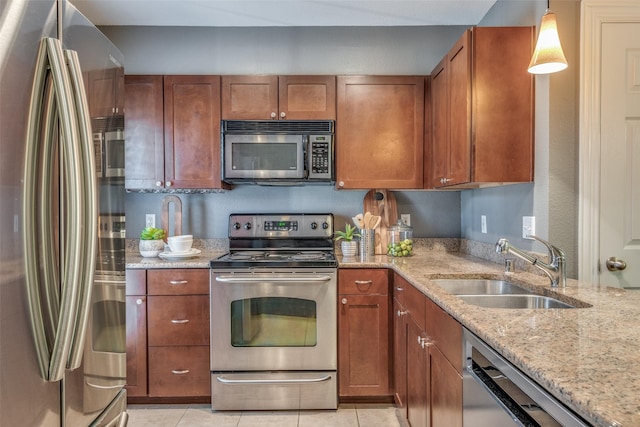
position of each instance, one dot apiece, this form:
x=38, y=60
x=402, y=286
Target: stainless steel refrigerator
x=62, y=304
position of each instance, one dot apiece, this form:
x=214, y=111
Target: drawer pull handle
x=179, y=321
x=180, y=372
x=178, y=282
x=364, y=282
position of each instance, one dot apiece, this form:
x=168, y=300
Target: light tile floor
x=347, y=415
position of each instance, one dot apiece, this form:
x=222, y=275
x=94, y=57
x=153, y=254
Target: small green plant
x=152, y=233
x=348, y=234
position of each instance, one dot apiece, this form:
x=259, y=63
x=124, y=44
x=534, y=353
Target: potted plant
x=151, y=241
x=348, y=246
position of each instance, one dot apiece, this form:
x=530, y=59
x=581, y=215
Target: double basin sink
x=489, y=293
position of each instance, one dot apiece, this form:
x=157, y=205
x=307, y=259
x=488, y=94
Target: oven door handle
x=272, y=381
x=270, y=278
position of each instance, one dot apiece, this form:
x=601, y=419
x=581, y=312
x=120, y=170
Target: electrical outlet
x=150, y=220
x=528, y=226
x=406, y=218
x=483, y=224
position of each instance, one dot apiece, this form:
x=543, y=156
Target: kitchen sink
x=514, y=301
x=491, y=293
x=479, y=287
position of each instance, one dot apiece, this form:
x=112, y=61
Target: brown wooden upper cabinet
x=482, y=106
x=279, y=97
x=105, y=92
x=380, y=132
x=172, y=132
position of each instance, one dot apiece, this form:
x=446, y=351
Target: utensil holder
x=367, y=242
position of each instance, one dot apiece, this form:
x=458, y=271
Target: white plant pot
x=349, y=249
x=151, y=248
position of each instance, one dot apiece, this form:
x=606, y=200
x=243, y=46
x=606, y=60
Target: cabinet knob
x=402, y=313
x=343, y=301
x=283, y=114
x=139, y=301
x=399, y=289
x=273, y=115
x=341, y=184
x=158, y=183
x=169, y=184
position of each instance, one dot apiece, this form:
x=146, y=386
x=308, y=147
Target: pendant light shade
x=548, y=56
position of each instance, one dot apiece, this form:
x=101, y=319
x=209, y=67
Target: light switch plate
x=150, y=220
x=406, y=218
x=528, y=226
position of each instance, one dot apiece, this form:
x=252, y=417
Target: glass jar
x=400, y=240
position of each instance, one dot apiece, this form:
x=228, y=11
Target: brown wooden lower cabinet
x=364, y=356
x=427, y=359
x=168, y=335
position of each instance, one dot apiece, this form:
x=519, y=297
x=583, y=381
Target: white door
x=619, y=252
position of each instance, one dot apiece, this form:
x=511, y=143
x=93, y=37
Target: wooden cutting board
x=382, y=203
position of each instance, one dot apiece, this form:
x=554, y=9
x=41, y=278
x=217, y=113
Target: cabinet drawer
x=178, y=320
x=179, y=371
x=359, y=281
x=411, y=298
x=446, y=332
x=178, y=281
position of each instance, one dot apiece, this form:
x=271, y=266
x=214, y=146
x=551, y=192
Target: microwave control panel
x=320, y=154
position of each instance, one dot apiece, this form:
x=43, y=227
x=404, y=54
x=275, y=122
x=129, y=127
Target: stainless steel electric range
x=273, y=314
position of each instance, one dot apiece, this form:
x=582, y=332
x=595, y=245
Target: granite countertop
x=589, y=358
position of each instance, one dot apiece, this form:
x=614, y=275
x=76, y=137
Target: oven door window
x=273, y=322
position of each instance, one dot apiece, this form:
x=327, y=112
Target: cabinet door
x=144, y=147
x=136, y=312
x=249, y=97
x=192, y=131
x=446, y=395
x=459, y=74
x=417, y=377
x=307, y=97
x=400, y=356
x=363, y=345
x=440, y=124
x=380, y=132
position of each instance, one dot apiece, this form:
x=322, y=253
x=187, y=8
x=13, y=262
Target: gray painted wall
x=374, y=50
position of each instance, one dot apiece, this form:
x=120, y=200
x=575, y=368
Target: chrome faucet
x=555, y=270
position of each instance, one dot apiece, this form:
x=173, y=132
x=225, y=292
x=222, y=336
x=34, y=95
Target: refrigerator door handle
x=90, y=208
x=30, y=227
x=52, y=361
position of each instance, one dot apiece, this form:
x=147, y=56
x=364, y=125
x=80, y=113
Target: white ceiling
x=278, y=13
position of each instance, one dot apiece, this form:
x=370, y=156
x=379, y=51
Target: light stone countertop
x=589, y=358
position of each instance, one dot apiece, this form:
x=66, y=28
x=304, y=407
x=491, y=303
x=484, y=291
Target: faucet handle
x=554, y=251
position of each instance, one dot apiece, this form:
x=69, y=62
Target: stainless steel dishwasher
x=495, y=393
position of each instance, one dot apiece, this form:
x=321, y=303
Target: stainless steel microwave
x=278, y=151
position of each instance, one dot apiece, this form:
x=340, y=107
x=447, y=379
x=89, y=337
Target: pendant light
x=548, y=57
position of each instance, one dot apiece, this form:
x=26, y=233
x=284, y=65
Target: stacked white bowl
x=180, y=243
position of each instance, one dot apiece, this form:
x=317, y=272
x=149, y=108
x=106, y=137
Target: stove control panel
x=280, y=225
